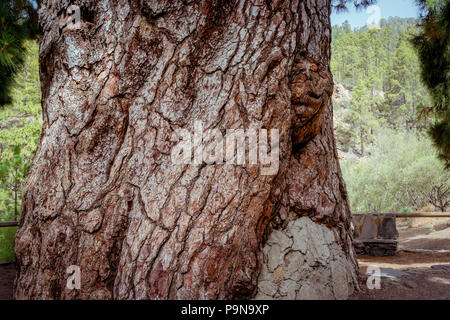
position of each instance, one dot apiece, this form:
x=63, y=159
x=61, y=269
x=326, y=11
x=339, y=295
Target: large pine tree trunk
x=104, y=194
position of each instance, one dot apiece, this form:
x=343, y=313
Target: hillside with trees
x=380, y=106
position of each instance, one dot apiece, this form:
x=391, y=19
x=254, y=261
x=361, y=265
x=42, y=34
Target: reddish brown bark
x=102, y=192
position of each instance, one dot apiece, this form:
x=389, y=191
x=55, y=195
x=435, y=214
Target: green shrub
x=401, y=172
x=7, y=244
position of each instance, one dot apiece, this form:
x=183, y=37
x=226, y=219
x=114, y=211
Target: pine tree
x=13, y=171
x=18, y=22
x=433, y=47
x=26, y=92
x=404, y=93
x=363, y=118
x=20, y=127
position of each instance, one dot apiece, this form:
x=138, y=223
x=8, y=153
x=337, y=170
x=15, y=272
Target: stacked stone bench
x=375, y=234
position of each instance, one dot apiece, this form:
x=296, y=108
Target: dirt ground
x=421, y=268
x=422, y=272
x=422, y=276
x=424, y=233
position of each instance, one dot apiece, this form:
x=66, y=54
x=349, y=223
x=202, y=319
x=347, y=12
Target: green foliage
x=404, y=90
x=363, y=119
x=433, y=47
x=18, y=22
x=382, y=60
x=13, y=171
x=361, y=53
x=388, y=163
x=7, y=244
x=382, y=71
x=401, y=173
x=20, y=126
x=26, y=93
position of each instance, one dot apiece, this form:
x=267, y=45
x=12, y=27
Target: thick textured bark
x=103, y=193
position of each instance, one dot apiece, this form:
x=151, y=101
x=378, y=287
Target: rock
x=268, y=288
x=392, y=273
x=287, y=288
x=292, y=262
x=314, y=266
x=383, y=250
x=410, y=284
x=274, y=257
x=359, y=247
x=340, y=281
x=377, y=248
x=444, y=267
x=299, y=235
x=278, y=275
x=369, y=229
x=375, y=234
x=387, y=228
x=279, y=238
x=375, y=226
x=307, y=292
x=413, y=272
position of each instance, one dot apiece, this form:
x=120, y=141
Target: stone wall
x=304, y=261
x=375, y=234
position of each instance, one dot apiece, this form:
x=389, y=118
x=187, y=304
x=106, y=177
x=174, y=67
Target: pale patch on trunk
x=303, y=261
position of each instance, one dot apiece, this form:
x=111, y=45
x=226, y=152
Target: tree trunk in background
x=103, y=193
x=16, y=212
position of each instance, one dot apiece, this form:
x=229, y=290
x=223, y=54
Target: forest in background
x=20, y=126
x=381, y=112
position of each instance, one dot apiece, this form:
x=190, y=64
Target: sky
x=387, y=8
